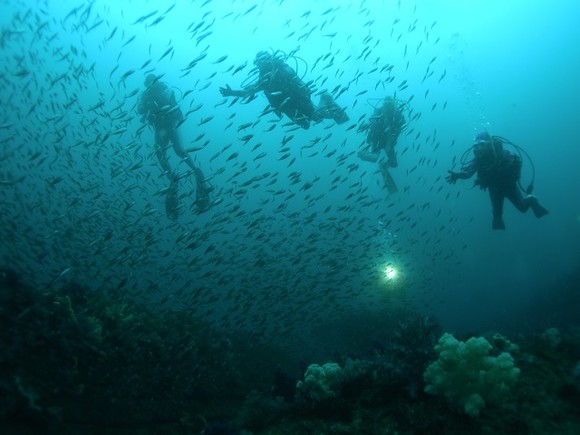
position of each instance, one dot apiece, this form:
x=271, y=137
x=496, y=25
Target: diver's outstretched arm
x=227, y=91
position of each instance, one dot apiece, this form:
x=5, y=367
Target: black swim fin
x=330, y=109
x=202, y=201
x=171, y=202
x=389, y=182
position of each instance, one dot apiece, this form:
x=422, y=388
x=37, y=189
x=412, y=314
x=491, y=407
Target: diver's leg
x=370, y=153
x=301, y=118
x=524, y=203
x=389, y=182
x=496, y=198
x=171, y=202
x=538, y=209
x=161, y=145
x=184, y=156
x=514, y=195
x=178, y=148
x=390, y=150
x=301, y=112
x=201, y=187
x=328, y=109
x=368, y=156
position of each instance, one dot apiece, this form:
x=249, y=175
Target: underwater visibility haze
x=303, y=281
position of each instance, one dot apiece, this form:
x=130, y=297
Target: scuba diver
x=385, y=126
x=286, y=92
x=159, y=108
x=499, y=171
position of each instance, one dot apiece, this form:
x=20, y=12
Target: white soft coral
x=467, y=375
x=321, y=382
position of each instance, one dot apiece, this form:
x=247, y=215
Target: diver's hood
x=262, y=56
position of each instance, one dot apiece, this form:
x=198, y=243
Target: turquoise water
x=292, y=242
x=144, y=318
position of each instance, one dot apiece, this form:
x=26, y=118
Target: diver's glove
x=227, y=91
x=452, y=177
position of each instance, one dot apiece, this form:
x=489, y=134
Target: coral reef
x=96, y=361
x=467, y=375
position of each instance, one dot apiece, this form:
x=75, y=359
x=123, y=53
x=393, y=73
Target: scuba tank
x=528, y=190
x=519, y=151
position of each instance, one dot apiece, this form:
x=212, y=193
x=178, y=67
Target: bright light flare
x=390, y=272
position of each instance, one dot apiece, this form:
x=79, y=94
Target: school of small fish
x=299, y=228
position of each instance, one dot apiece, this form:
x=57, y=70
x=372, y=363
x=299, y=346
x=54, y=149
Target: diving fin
x=330, y=109
x=202, y=198
x=171, y=202
x=389, y=182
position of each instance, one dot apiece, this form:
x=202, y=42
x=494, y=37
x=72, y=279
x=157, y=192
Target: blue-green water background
x=272, y=255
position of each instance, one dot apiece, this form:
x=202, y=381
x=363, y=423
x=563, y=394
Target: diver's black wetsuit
x=159, y=107
x=287, y=93
x=499, y=172
x=385, y=126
